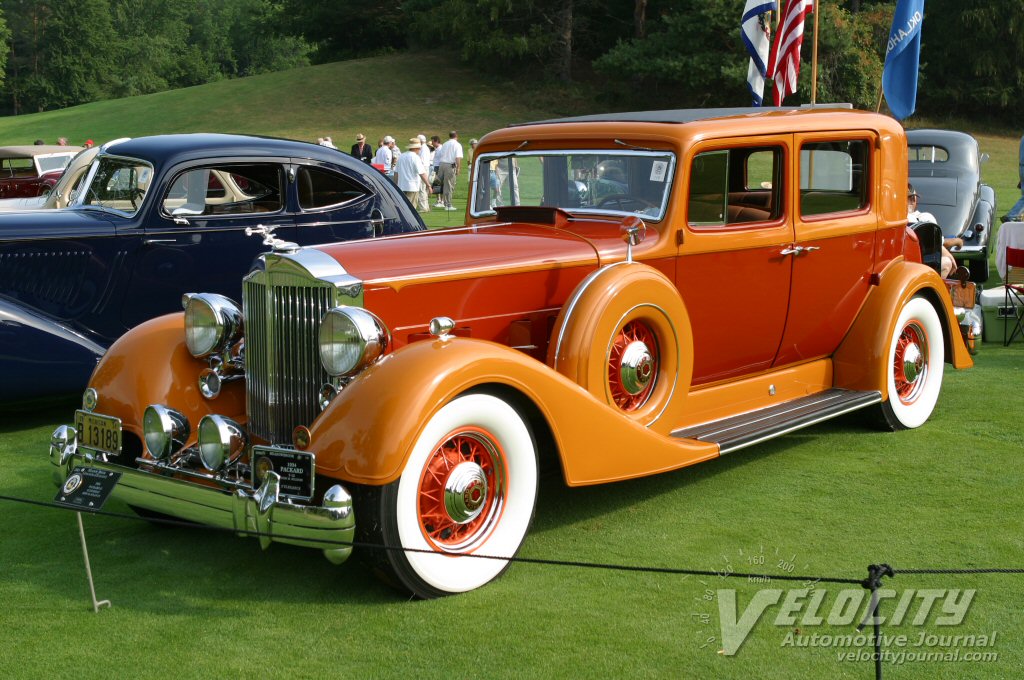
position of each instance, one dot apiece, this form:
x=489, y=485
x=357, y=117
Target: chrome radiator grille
x=282, y=360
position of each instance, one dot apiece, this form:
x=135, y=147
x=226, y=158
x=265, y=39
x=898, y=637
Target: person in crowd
x=326, y=141
x=38, y=142
x=914, y=216
x=385, y=156
x=435, y=146
x=448, y=166
x=472, y=152
x=1016, y=213
x=88, y=144
x=361, y=149
x=411, y=172
x=62, y=141
x=423, y=201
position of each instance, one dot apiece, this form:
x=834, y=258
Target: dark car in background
x=154, y=218
x=32, y=170
x=945, y=169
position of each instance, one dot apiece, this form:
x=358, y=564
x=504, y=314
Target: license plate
x=295, y=468
x=100, y=433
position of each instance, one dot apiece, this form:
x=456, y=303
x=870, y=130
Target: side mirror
x=633, y=233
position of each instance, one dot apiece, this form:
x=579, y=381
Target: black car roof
x=173, y=148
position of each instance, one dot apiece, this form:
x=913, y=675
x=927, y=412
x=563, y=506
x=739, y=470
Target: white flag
x=755, y=28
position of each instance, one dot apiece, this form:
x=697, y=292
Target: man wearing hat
x=412, y=174
x=422, y=202
x=361, y=149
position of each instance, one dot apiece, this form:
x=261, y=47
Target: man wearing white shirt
x=386, y=156
x=421, y=201
x=412, y=174
x=449, y=162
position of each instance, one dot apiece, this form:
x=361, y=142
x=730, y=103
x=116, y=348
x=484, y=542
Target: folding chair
x=1014, y=300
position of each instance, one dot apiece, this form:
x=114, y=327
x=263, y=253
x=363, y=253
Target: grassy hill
x=399, y=95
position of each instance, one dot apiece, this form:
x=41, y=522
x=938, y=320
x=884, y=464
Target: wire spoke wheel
x=466, y=495
x=462, y=490
x=633, y=365
x=914, y=366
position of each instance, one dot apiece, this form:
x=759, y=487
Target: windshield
x=619, y=182
x=118, y=184
x=53, y=162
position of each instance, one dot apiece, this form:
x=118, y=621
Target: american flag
x=784, y=61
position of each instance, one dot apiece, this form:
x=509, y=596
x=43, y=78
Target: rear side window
x=320, y=188
x=226, y=190
x=927, y=153
x=833, y=177
x=731, y=187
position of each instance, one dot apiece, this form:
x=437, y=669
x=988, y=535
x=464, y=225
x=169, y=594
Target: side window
x=833, y=177
x=733, y=187
x=320, y=188
x=226, y=190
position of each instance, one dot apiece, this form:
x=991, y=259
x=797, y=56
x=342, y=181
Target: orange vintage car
x=676, y=284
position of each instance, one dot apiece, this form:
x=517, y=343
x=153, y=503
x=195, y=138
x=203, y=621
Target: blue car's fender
x=40, y=356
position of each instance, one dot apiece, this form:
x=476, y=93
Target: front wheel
x=915, y=363
x=468, y=490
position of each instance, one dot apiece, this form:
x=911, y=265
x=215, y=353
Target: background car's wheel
x=915, y=363
x=623, y=340
x=468, y=488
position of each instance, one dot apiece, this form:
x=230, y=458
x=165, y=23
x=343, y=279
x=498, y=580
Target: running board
x=738, y=432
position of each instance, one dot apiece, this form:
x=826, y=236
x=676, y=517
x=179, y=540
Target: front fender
x=151, y=365
x=41, y=357
x=366, y=433
x=860, y=361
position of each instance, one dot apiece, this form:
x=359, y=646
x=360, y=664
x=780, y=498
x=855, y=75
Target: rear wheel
x=468, y=490
x=915, y=364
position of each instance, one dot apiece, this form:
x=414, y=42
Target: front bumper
x=329, y=527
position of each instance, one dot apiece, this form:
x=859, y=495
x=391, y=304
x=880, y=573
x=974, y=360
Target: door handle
x=377, y=222
x=796, y=250
x=154, y=241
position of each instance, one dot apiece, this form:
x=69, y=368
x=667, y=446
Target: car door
x=833, y=250
x=194, y=234
x=732, y=272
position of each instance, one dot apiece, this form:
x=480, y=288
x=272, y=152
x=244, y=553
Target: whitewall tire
x=914, y=366
x=468, y=488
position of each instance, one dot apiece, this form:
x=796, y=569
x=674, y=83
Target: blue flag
x=755, y=29
x=903, y=57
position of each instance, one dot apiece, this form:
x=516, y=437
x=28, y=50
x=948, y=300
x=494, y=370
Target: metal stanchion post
x=96, y=604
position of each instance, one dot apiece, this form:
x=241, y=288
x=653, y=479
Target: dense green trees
x=66, y=52
x=637, y=53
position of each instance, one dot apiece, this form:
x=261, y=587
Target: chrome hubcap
x=913, y=362
x=637, y=367
x=465, y=492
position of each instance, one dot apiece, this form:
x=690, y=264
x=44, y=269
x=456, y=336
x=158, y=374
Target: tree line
x=639, y=54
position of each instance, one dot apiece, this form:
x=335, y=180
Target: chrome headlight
x=212, y=323
x=165, y=430
x=351, y=339
x=221, y=442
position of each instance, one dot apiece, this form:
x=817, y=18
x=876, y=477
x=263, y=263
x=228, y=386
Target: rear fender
x=366, y=433
x=860, y=361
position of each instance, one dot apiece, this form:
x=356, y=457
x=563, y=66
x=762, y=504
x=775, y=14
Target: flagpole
x=814, y=55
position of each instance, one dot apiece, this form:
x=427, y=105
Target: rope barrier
x=876, y=572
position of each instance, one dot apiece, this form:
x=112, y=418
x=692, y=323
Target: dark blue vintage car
x=157, y=217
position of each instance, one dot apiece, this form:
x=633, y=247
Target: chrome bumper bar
x=330, y=527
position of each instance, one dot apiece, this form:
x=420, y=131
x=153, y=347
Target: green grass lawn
x=828, y=501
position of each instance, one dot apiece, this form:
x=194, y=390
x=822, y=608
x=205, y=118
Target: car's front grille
x=282, y=359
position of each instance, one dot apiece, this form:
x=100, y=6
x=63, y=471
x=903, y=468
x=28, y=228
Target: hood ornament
x=276, y=244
